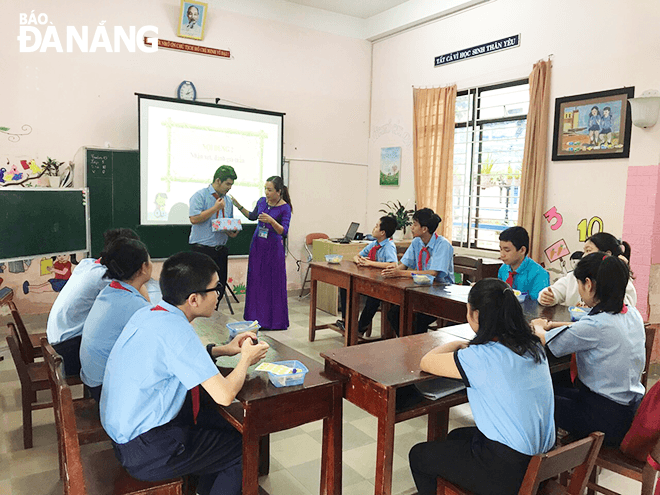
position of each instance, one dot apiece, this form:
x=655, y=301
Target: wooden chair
x=309, y=241
x=95, y=472
x=470, y=267
x=579, y=456
x=30, y=344
x=638, y=469
x=88, y=420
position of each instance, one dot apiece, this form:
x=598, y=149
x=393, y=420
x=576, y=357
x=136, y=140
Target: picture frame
x=582, y=123
x=192, y=19
x=390, y=166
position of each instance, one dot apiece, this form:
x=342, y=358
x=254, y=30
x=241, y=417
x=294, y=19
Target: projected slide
x=182, y=145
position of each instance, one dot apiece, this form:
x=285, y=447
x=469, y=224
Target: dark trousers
x=421, y=321
x=219, y=254
x=210, y=449
x=70, y=352
x=371, y=306
x=94, y=393
x=470, y=460
x=581, y=412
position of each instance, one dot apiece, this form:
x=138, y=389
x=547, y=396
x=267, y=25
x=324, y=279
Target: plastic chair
x=96, y=472
x=309, y=241
x=579, y=456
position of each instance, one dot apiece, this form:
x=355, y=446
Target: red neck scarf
x=373, y=251
x=217, y=196
x=425, y=249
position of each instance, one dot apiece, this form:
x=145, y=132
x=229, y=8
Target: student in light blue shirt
x=73, y=303
x=379, y=253
x=158, y=429
x=428, y=254
x=519, y=270
x=509, y=388
x=609, y=346
x=206, y=205
x=128, y=269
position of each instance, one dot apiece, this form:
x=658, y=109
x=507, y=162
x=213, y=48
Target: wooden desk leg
x=385, y=448
x=438, y=425
x=385, y=327
x=409, y=318
x=331, y=449
x=264, y=455
x=250, y=458
x=352, y=315
x=404, y=324
x=312, y=308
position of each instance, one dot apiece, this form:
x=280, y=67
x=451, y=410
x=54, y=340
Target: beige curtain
x=532, y=182
x=433, y=137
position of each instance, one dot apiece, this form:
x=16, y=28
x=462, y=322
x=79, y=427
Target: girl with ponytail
x=129, y=269
x=565, y=290
x=610, y=353
x=265, y=296
x=506, y=373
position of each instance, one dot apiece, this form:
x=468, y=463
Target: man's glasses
x=218, y=288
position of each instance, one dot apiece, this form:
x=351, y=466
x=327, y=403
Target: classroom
x=343, y=74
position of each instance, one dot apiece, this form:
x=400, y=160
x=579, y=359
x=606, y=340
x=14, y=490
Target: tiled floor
x=295, y=454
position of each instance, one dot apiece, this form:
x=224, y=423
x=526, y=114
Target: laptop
x=350, y=234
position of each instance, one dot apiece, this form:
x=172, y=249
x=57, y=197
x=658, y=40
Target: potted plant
x=51, y=168
x=402, y=216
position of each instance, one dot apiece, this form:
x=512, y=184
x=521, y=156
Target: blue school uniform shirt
x=70, y=309
x=510, y=396
x=386, y=253
x=441, y=257
x=201, y=233
x=157, y=358
x=530, y=277
x=114, y=306
x=609, y=350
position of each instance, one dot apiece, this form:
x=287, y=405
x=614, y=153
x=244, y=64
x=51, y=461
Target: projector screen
x=183, y=143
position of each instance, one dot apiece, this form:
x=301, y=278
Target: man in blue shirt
x=519, y=270
x=205, y=205
x=158, y=429
x=428, y=254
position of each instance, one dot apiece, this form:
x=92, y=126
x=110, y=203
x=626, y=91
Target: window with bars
x=488, y=151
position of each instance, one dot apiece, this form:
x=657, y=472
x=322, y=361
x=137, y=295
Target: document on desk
x=440, y=387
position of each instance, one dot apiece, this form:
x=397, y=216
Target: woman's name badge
x=263, y=232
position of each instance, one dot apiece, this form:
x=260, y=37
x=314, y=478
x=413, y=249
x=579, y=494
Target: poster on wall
x=593, y=126
x=390, y=166
x=192, y=20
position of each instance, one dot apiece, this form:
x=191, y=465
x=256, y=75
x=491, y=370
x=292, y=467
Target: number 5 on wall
x=586, y=230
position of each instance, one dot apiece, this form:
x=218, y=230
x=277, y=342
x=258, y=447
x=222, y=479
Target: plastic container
x=242, y=326
x=521, y=296
x=577, y=312
x=422, y=279
x=334, y=258
x=291, y=379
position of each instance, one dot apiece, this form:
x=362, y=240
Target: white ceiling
x=362, y=9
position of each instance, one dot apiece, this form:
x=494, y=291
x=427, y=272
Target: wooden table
x=376, y=370
x=262, y=409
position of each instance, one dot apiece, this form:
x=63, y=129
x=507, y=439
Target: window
x=488, y=150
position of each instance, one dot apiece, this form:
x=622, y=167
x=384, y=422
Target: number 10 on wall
x=586, y=229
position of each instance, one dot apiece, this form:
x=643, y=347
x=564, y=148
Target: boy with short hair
x=157, y=358
x=379, y=253
x=519, y=270
x=428, y=254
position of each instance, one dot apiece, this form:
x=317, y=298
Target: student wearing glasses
x=158, y=429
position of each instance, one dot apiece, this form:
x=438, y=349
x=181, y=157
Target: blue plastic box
x=577, y=312
x=240, y=327
x=334, y=258
x=291, y=379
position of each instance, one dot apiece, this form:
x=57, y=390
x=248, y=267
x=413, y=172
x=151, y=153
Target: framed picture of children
x=593, y=125
x=192, y=20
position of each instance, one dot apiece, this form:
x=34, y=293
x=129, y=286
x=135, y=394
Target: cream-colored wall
x=596, y=46
x=320, y=80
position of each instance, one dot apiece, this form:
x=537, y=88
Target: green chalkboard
x=113, y=179
x=36, y=222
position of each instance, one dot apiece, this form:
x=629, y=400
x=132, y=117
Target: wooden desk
x=376, y=370
x=450, y=302
x=263, y=408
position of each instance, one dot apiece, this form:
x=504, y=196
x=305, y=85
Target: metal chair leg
x=231, y=310
x=304, y=282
